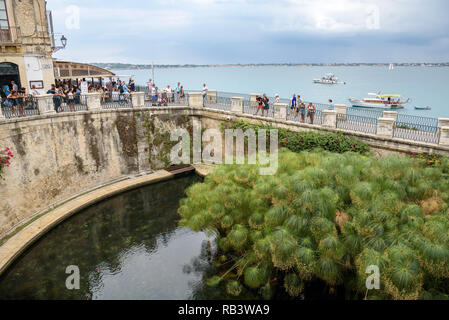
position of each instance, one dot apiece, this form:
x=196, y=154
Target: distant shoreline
x=120, y=66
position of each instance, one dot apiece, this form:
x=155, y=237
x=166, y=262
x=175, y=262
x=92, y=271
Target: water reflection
x=128, y=247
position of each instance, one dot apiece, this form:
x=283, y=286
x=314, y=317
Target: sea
x=425, y=86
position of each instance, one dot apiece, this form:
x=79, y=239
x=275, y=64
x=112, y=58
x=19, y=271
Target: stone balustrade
x=385, y=127
x=237, y=104
x=341, y=110
x=391, y=115
x=280, y=111
x=252, y=100
x=93, y=101
x=138, y=99
x=329, y=118
x=211, y=96
x=444, y=136
x=196, y=99
x=45, y=104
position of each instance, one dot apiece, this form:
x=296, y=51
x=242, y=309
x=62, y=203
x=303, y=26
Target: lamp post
x=63, y=42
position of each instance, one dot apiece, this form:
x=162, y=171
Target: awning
x=390, y=95
x=75, y=70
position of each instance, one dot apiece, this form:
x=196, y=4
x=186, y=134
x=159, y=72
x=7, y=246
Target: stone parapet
x=341, y=110
x=391, y=115
x=252, y=100
x=93, y=101
x=196, y=100
x=385, y=127
x=444, y=136
x=138, y=99
x=211, y=96
x=280, y=111
x=237, y=104
x=329, y=118
x=45, y=104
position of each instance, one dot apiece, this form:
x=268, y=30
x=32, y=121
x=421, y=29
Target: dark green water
x=127, y=247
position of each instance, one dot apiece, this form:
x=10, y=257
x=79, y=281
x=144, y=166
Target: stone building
x=26, y=44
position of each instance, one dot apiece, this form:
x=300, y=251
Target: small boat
x=329, y=78
x=423, y=108
x=383, y=101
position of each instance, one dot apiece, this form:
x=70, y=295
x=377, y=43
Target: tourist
x=182, y=93
x=34, y=91
x=12, y=97
x=259, y=101
x=132, y=86
x=169, y=92
x=331, y=105
x=311, y=109
x=57, y=99
x=14, y=86
x=277, y=99
x=153, y=95
x=302, y=109
x=293, y=105
x=115, y=95
x=266, y=103
x=71, y=99
x=205, y=89
x=178, y=91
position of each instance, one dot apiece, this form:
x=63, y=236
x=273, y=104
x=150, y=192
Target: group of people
x=17, y=98
x=299, y=106
x=162, y=97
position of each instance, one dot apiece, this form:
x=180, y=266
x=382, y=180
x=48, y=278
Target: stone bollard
x=341, y=110
x=93, y=101
x=237, y=104
x=329, y=118
x=138, y=99
x=252, y=100
x=280, y=111
x=385, y=127
x=196, y=99
x=443, y=122
x=391, y=115
x=211, y=97
x=45, y=104
x=444, y=136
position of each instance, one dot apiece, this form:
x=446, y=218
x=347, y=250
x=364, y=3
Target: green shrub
x=308, y=140
x=328, y=216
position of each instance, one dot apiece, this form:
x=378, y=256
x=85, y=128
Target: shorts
x=154, y=97
x=303, y=111
x=260, y=107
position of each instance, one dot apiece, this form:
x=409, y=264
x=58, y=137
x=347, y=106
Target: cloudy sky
x=252, y=31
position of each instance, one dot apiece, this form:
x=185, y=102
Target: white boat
x=422, y=108
x=383, y=101
x=329, y=78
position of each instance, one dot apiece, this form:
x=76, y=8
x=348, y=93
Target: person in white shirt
x=204, y=92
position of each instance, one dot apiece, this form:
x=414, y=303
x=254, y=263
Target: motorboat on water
x=423, y=108
x=383, y=101
x=329, y=78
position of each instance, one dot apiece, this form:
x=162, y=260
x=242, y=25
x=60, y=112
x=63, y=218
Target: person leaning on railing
x=311, y=110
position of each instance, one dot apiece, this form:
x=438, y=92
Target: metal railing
x=417, y=122
x=314, y=118
x=428, y=134
x=116, y=100
x=23, y=108
x=357, y=123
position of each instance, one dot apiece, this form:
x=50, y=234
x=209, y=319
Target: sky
x=252, y=31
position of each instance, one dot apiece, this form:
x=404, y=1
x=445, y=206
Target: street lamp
x=63, y=42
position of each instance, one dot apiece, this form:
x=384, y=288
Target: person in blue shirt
x=293, y=103
x=331, y=104
x=178, y=91
x=6, y=90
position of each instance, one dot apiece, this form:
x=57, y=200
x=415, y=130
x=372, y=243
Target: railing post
x=280, y=111
x=329, y=118
x=45, y=104
x=391, y=115
x=196, y=99
x=341, y=110
x=442, y=122
x=385, y=127
x=237, y=104
x=138, y=99
x=444, y=136
x=252, y=100
x=211, y=97
x=93, y=101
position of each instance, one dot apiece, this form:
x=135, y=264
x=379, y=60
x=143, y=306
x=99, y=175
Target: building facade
x=26, y=44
